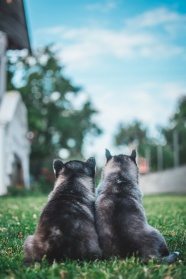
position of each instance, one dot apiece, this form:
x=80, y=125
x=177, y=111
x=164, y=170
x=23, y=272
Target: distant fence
x=168, y=181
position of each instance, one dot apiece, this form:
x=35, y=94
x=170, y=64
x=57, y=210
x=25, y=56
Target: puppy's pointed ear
x=91, y=162
x=108, y=155
x=133, y=155
x=57, y=167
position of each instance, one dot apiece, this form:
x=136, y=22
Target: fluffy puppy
x=120, y=218
x=66, y=227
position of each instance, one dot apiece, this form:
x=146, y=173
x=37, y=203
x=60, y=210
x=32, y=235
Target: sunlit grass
x=19, y=216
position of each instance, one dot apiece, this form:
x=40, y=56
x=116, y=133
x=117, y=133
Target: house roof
x=13, y=23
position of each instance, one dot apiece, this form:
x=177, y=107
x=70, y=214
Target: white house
x=14, y=145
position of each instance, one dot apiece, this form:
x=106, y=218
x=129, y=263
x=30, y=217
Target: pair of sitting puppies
x=75, y=225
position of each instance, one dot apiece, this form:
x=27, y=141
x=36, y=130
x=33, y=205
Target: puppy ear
x=108, y=155
x=57, y=167
x=91, y=162
x=133, y=155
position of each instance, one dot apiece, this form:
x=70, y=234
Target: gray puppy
x=120, y=218
x=66, y=227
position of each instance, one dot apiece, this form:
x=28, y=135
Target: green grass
x=19, y=216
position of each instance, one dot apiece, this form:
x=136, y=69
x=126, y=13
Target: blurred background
x=77, y=77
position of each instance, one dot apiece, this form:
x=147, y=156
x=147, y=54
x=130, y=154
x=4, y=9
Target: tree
x=128, y=133
x=136, y=131
x=177, y=123
x=54, y=121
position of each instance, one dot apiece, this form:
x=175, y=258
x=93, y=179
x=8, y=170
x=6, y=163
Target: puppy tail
x=171, y=258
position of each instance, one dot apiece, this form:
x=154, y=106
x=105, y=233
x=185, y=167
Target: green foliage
x=167, y=154
x=19, y=217
x=134, y=131
x=54, y=120
x=178, y=123
x=180, y=116
x=14, y=191
x=42, y=186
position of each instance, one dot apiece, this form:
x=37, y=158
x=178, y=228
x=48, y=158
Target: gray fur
x=120, y=217
x=66, y=227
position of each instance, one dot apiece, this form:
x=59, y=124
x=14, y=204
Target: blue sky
x=129, y=56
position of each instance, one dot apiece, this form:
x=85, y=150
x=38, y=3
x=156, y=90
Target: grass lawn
x=19, y=216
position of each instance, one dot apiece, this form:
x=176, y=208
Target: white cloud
x=159, y=16
x=83, y=48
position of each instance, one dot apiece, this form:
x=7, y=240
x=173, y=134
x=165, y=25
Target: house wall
x=13, y=140
x=18, y=143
